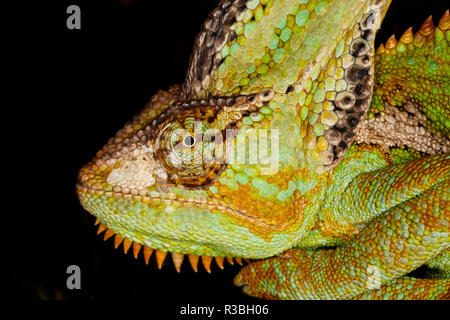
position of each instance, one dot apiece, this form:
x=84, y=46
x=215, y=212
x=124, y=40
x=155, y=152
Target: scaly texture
x=388, y=247
x=410, y=104
x=291, y=132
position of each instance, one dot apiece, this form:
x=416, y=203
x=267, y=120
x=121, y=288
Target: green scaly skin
x=358, y=197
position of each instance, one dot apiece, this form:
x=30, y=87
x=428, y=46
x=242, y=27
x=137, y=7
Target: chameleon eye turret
x=186, y=146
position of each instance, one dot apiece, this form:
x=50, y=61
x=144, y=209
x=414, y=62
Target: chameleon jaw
x=177, y=258
x=151, y=239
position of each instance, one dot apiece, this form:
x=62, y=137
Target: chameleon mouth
x=83, y=187
x=177, y=258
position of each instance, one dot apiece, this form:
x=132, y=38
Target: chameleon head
x=230, y=164
x=184, y=178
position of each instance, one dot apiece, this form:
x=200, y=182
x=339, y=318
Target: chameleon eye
x=189, y=141
x=187, y=148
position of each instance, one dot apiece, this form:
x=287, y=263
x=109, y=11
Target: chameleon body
x=346, y=189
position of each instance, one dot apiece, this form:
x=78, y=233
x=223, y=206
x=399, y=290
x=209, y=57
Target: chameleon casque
x=358, y=194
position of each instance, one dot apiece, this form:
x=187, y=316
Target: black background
x=79, y=88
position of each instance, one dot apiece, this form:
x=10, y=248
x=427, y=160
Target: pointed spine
x=136, y=248
x=177, y=259
x=108, y=234
x=427, y=27
x=230, y=260
x=102, y=227
x=206, y=260
x=444, y=23
x=193, y=260
x=117, y=241
x=381, y=49
x=147, y=253
x=391, y=43
x=126, y=245
x=160, y=256
x=407, y=36
x=219, y=261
